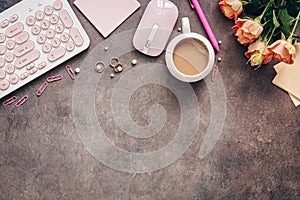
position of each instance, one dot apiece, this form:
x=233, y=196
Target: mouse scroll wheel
x=150, y=37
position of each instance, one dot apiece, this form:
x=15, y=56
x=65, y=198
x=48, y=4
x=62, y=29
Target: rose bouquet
x=267, y=27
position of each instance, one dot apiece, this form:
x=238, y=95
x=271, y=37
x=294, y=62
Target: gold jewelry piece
x=116, y=64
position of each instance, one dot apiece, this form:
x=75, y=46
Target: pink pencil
x=195, y=5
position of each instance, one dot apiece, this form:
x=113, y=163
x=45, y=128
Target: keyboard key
x=22, y=37
x=57, y=5
x=53, y=19
x=14, y=30
x=55, y=42
x=45, y=24
x=10, y=68
x=76, y=36
x=48, y=10
x=2, y=49
x=24, y=48
x=14, y=79
x=4, y=84
x=41, y=38
x=59, y=28
x=2, y=62
x=30, y=66
x=24, y=76
x=65, y=18
x=70, y=46
x=50, y=33
x=13, y=18
x=30, y=20
x=42, y=65
x=47, y=47
x=10, y=44
x=9, y=57
x=64, y=37
x=27, y=59
x=33, y=70
x=4, y=23
x=2, y=37
x=39, y=15
x=56, y=54
x=2, y=74
x=35, y=29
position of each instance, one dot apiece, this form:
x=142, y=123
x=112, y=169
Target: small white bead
x=179, y=29
x=112, y=75
x=77, y=70
x=220, y=42
x=219, y=59
x=105, y=48
x=134, y=62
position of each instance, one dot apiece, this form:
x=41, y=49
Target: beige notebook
x=107, y=15
x=288, y=77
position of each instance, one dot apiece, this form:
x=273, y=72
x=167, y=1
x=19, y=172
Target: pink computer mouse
x=155, y=27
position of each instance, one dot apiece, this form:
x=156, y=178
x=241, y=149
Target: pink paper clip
x=215, y=73
x=9, y=101
x=22, y=101
x=70, y=71
x=41, y=89
x=51, y=79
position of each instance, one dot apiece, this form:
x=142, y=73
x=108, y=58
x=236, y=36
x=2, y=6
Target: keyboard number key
x=47, y=47
x=48, y=10
x=57, y=5
x=35, y=29
x=30, y=20
x=39, y=15
x=41, y=38
x=50, y=33
x=53, y=19
x=55, y=42
x=45, y=24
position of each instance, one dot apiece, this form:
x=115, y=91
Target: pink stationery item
x=107, y=15
x=195, y=5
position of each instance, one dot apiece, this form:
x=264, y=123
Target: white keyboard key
x=14, y=30
x=2, y=74
x=70, y=46
x=65, y=18
x=33, y=70
x=24, y=76
x=56, y=54
x=36, y=29
x=76, y=36
x=9, y=57
x=30, y=66
x=53, y=19
x=27, y=59
x=42, y=65
x=4, y=84
x=22, y=37
x=50, y=33
x=2, y=37
x=48, y=10
x=64, y=37
x=39, y=15
x=10, y=68
x=55, y=42
x=10, y=44
x=41, y=38
x=13, y=18
x=24, y=48
x=4, y=23
x=57, y=5
x=30, y=20
x=14, y=79
x=59, y=28
x=2, y=49
x=47, y=47
x=45, y=24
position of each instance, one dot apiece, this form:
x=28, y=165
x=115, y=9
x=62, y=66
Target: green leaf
x=286, y=21
x=293, y=7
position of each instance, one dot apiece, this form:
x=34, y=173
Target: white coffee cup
x=206, y=57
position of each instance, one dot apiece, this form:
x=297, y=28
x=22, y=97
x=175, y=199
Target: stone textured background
x=257, y=156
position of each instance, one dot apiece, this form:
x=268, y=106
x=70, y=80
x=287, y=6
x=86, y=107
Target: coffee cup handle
x=186, y=28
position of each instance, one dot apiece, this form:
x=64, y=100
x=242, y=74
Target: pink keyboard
x=36, y=36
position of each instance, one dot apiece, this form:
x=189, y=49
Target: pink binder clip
x=51, y=79
x=9, y=101
x=70, y=71
x=41, y=89
x=22, y=101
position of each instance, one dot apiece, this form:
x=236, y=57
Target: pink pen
x=195, y=5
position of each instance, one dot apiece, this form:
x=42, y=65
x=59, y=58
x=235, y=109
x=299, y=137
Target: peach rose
x=231, y=8
x=283, y=51
x=259, y=54
x=247, y=30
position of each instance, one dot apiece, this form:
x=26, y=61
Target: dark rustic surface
x=256, y=157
